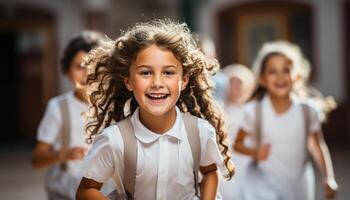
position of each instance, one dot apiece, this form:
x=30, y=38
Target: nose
x=157, y=81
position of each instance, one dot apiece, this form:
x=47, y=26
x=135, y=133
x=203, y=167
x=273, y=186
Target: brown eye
x=145, y=73
x=169, y=73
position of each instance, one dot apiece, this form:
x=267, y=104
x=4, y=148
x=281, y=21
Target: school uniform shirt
x=285, y=132
x=164, y=161
x=229, y=190
x=50, y=126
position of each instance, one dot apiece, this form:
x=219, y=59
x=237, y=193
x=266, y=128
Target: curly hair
x=108, y=66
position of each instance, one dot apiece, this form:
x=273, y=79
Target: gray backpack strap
x=307, y=121
x=258, y=133
x=258, y=122
x=130, y=155
x=192, y=131
x=65, y=127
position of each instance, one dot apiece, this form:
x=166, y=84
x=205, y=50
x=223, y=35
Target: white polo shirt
x=164, y=161
x=50, y=126
x=285, y=133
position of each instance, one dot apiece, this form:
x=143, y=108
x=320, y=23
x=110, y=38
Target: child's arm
x=258, y=154
x=43, y=155
x=210, y=182
x=89, y=190
x=320, y=153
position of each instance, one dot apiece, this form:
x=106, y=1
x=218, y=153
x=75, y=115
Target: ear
x=128, y=84
x=185, y=79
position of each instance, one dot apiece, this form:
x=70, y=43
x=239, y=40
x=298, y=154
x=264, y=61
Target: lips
x=281, y=85
x=157, y=96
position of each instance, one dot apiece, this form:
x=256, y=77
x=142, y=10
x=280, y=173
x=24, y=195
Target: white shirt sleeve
x=105, y=158
x=315, y=124
x=50, y=124
x=249, y=118
x=210, y=152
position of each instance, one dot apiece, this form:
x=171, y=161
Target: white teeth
x=157, y=96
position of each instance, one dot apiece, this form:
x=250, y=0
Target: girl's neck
x=280, y=104
x=158, y=124
x=79, y=94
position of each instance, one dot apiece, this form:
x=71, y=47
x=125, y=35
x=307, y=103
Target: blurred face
x=277, y=77
x=235, y=90
x=77, y=73
x=156, y=79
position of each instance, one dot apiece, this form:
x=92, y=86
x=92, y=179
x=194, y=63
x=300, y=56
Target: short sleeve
x=249, y=118
x=50, y=124
x=210, y=152
x=104, y=159
x=315, y=124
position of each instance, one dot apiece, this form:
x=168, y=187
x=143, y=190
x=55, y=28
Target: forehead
x=79, y=57
x=278, y=58
x=155, y=56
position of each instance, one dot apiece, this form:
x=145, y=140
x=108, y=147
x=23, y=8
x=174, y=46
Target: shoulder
x=249, y=109
x=55, y=101
x=110, y=137
x=250, y=106
x=308, y=106
x=206, y=131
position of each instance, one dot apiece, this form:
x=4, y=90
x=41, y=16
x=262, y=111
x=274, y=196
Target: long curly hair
x=108, y=66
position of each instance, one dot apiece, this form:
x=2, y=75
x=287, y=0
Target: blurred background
x=33, y=34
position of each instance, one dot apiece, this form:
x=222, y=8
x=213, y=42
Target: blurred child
x=285, y=130
x=61, y=145
x=241, y=86
x=158, y=70
x=219, y=79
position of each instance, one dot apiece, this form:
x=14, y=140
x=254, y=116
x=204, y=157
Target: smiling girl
x=155, y=72
x=285, y=131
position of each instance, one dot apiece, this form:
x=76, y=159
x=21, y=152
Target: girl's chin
x=280, y=94
x=158, y=110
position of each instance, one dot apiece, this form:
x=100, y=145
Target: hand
x=73, y=153
x=262, y=153
x=330, y=188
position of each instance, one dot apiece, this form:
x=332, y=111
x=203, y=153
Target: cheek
x=139, y=84
x=177, y=84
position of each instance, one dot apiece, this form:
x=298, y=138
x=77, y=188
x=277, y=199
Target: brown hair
x=109, y=65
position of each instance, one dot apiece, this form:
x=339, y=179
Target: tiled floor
x=18, y=181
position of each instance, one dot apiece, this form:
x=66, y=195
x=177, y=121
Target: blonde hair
x=241, y=72
x=109, y=66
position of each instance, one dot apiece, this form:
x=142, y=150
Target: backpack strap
x=130, y=155
x=65, y=128
x=191, y=126
x=307, y=121
x=258, y=133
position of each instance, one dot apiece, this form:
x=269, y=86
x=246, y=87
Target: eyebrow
x=164, y=66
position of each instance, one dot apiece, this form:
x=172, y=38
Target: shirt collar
x=147, y=136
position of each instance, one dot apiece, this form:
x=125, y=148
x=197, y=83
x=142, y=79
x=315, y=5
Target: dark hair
x=84, y=41
x=260, y=91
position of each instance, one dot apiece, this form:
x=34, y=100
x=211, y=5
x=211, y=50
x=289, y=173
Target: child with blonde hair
x=241, y=85
x=170, y=130
x=285, y=131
